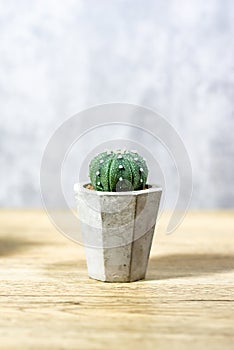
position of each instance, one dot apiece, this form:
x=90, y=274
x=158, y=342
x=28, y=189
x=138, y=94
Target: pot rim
x=80, y=187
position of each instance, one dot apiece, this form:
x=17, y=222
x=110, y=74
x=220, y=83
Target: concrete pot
x=117, y=230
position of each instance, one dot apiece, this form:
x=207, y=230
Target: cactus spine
x=118, y=171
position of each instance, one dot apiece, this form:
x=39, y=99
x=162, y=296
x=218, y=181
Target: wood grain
x=48, y=302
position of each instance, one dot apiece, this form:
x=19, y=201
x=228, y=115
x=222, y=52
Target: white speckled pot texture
x=117, y=230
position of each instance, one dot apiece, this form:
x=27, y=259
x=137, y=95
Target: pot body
x=117, y=231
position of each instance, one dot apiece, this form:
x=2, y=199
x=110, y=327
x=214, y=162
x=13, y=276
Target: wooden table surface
x=48, y=302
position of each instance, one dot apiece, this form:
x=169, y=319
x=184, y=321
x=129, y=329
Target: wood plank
x=48, y=302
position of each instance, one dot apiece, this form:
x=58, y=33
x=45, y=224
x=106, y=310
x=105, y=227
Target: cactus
x=119, y=170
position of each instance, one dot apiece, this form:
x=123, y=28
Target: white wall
x=58, y=57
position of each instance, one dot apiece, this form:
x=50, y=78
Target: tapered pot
x=117, y=231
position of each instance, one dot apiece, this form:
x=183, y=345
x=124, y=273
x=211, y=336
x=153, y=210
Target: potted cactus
x=117, y=213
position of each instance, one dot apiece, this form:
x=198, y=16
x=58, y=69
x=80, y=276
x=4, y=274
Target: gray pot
x=117, y=231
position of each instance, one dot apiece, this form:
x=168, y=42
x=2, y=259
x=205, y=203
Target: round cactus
x=118, y=171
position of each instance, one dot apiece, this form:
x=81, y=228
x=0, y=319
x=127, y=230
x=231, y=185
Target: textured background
x=59, y=57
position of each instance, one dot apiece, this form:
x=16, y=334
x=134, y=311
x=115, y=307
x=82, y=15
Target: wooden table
x=48, y=302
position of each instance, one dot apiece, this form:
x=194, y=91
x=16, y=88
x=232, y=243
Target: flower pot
x=117, y=231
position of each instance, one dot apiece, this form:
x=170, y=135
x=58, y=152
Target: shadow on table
x=11, y=245
x=187, y=265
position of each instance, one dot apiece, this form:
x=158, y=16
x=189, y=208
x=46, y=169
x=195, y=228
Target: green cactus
x=119, y=170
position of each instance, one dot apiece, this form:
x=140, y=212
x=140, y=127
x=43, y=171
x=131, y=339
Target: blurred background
x=60, y=57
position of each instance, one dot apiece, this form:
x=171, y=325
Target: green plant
x=118, y=170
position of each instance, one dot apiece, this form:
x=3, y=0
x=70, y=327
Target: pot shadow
x=188, y=265
x=11, y=245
